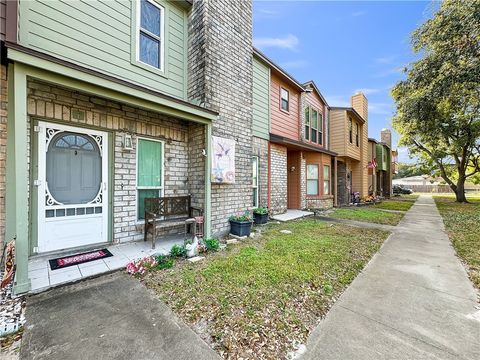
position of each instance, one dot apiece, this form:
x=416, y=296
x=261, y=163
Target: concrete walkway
x=413, y=301
x=112, y=317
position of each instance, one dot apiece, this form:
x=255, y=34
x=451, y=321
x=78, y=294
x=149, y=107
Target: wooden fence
x=440, y=188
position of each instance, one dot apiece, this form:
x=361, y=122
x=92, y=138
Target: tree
x=438, y=105
x=407, y=170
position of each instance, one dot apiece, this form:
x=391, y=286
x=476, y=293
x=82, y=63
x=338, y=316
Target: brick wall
x=46, y=102
x=260, y=149
x=278, y=173
x=3, y=147
x=220, y=78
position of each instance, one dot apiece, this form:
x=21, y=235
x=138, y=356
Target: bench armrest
x=193, y=209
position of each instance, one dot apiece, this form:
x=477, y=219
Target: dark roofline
x=373, y=140
x=311, y=82
x=349, y=109
x=299, y=144
x=277, y=68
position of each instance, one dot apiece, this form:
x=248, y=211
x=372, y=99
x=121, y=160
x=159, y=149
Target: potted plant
x=260, y=215
x=241, y=224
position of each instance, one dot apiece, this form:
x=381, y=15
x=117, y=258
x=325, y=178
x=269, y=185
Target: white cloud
x=289, y=42
x=367, y=91
x=358, y=13
x=295, y=64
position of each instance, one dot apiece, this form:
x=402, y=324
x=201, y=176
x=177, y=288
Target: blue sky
x=344, y=46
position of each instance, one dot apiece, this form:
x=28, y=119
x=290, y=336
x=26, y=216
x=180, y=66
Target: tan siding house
x=349, y=138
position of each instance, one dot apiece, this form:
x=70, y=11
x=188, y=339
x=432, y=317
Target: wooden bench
x=164, y=212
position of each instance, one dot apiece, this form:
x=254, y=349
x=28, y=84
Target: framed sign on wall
x=223, y=160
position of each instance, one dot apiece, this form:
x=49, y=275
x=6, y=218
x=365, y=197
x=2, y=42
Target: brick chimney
x=386, y=137
x=360, y=104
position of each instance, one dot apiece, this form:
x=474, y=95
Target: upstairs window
x=314, y=126
x=320, y=128
x=284, y=99
x=150, y=34
x=307, y=123
x=357, y=135
x=350, y=130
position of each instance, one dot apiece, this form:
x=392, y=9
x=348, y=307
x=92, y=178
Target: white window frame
x=282, y=89
x=255, y=160
x=317, y=179
x=320, y=128
x=326, y=180
x=160, y=38
x=161, y=188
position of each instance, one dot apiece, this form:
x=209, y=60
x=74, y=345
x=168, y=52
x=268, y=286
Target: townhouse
x=349, y=138
x=381, y=165
x=291, y=127
x=106, y=103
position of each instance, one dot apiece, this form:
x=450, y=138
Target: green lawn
x=402, y=205
x=256, y=299
x=462, y=222
x=367, y=214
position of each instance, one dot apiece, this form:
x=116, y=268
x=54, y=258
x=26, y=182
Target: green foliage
x=399, y=205
x=178, y=251
x=246, y=216
x=212, y=244
x=277, y=284
x=368, y=214
x=407, y=170
x=438, y=105
x=163, y=262
x=260, y=211
x=462, y=222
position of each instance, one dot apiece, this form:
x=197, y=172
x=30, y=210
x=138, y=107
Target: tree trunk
x=460, y=191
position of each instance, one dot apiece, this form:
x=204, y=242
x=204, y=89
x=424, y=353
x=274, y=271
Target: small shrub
x=178, y=251
x=212, y=244
x=260, y=211
x=246, y=216
x=164, y=262
x=328, y=289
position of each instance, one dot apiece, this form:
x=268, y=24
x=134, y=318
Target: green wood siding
x=381, y=163
x=98, y=35
x=261, y=91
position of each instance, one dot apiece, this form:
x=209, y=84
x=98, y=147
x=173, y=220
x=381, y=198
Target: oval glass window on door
x=74, y=168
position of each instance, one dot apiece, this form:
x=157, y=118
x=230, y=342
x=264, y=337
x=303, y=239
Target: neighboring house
x=111, y=102
x=349, y=138
x=298, y=161
x=380, y=165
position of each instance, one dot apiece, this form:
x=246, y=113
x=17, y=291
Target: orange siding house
x=301, y=174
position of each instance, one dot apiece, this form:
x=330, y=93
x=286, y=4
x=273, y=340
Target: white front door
x=72, y=187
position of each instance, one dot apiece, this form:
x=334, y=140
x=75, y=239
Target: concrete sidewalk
x=112, y=317
x=413, y=301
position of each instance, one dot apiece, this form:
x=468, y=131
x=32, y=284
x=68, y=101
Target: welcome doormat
x=71, y=260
